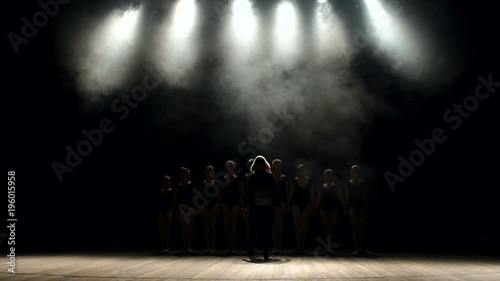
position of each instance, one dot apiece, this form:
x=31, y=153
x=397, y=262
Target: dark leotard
x=232, y=193
x=357, y=195
x=282, y=188
x=329, y=199
x=301, y=195
x=165, y=201
x=186, y=194
x=210, y=192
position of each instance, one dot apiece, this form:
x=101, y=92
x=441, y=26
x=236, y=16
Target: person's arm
x=287, y=194
x=172, y=199
x=248, y=192
x=313, y=195
x=219, y=193
x=158, y=206
x=176, y=202
x=241, y=188
x=346, y=210
x=365, y=196
x=340, y=195
x=276, y=192
x=319, y=195
x=290, y=196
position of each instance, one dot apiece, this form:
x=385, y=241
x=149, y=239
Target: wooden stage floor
x=144, y=265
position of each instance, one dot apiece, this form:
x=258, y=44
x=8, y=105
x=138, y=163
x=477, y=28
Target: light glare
x=123, y=28
x=286, y=35
x=177, y=49
x=106, y=62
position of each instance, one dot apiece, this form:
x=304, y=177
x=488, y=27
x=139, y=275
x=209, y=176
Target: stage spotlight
x=106, y=60
x=381, y=21
x=243, y=22
x=329, y=33
x=391, y=35
x=177, y=43
x=123, y=28
x=184, y=18
x=322, y=1
x=286, y=33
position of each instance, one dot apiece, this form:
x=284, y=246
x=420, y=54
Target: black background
x=450, y=202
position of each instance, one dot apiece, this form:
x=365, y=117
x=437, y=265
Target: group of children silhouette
x=263, y=196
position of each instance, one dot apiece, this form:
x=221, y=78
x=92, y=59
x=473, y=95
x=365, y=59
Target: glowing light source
x=184, y=18
x=381, y=20
x=286, y=32
x=177, y=45
x=243, y=20
x=329, y=33
x=123, y=28
x=241, y=32
x=395, y=38
x=240, y=44
x=106, y=61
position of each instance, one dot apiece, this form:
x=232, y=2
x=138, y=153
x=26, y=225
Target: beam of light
x=382, y=20
x=240, y=32
x=240, y=69
x=329, y=35
x=124, y=28
x=177, y=43
x=395, y=38
x=184, y=19
x=286, y=33
x=107, y=60
x=243, y=21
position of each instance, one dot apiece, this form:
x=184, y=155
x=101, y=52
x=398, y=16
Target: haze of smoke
x=333, y=109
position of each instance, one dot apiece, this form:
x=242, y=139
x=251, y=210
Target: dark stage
x=124, y=114
x=143, y=265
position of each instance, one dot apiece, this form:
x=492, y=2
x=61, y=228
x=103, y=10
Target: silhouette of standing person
x=330, y=203
x=261, y=197
x=302, y=196
x=279, y=213
x=184, y=207
x=244, y=213
x=211, y=190
x=231, y=204
x=165, y=206
x=357, y=202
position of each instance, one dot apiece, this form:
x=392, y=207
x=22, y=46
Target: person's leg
x=227, y=229
x=275, y=230
x=184, y=232
x=297, y=221
x=333, y=219
x=206, y=227
x=234, y=227
x=246, y=223
x=162, y=226
x=327, y=224
x=189, y=228
x=361, y=229
x=279, y=217
x=212, y=219
x=353, y=215
x=168, y=230
x=267, y=232
x=306, y=215
x=252, y=232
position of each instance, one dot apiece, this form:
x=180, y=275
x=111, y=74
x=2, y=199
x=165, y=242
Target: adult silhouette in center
x=261, y=197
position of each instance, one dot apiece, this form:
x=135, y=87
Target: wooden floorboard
x=143, y=265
